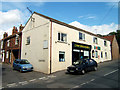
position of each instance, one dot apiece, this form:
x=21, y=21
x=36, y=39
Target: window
x=8, y=43
x=45, y=44
x=28, y=40
x=95, y=40
x=1, y=44
x=96, y=54
x=106, y=55
x=81, y=36
x=62, y=37
x=61, y=56
x=16, y=40
x=93, y=54
x=101, y=54
x=7, y=54
x=105, y=43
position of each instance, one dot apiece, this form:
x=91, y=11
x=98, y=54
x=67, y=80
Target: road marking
x=51, y=76
x=23, y=83
x=42, y=78
x=82, y=84
x=92, y=80
x=76, y=87
x=11, y=85
x=32, y=80
x=111, y=72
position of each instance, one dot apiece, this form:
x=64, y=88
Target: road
x=105, y=77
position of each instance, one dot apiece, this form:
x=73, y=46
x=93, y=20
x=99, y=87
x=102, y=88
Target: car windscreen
x=24, y=62
x=78, y=62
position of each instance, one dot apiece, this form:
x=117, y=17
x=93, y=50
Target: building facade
x=114, y=47
x=51, y=45
x=11, y=45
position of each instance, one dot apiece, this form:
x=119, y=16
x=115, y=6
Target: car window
x=16, y=61
x=24, y=62
x=87, y=61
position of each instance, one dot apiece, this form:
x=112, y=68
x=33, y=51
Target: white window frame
x=16, y=40
x=62, y=52
x=104, y=43
x=8, y=43
x=83, y=36
x=28, y=40
x=62, y=39
x=95, y=40
x=7, y=54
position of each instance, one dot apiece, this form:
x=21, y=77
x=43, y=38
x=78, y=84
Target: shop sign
x=81, y=46
x=97, y=47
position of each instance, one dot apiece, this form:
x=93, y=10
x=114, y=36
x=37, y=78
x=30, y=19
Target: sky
x=95, y=17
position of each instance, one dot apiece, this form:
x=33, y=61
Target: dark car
x=82, y=66
x=22, y=65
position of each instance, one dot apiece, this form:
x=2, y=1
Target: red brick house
x=11, y=45
x=114, y=46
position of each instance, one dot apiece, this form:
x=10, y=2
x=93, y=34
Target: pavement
x=107, y=76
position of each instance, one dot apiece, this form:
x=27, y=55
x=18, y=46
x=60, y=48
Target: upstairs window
x=96, y=54
x=81, y=36
x=8, y=43
x=28, y=40
x=95, y=40
x=105, y=43
x=62, y=37
x=16, y=40
x=101, y=54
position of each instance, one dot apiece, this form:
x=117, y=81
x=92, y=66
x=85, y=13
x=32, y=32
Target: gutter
x=51, y=47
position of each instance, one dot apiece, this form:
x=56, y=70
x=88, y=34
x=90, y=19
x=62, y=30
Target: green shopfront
x=80, y=51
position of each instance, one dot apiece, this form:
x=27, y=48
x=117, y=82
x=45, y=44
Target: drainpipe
x=50, y=46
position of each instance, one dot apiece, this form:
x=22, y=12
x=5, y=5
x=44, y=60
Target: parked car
x=83, y=66
x=22, y=65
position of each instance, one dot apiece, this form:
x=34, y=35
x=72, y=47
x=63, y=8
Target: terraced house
x=11, y=45
x=51, y=45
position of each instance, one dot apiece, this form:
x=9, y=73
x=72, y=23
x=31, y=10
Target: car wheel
x=83, y=72
x=95, y=68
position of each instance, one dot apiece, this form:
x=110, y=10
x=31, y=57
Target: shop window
x=1, y=44
x=61, y=56
x=16, y=40
x=95, y=40
x=8, y=43
x=62, y=37
x=101, y=54
x=93, y=54
x=28, y=40
x=105, y=43
x=106, y=55
x=96, y=54
x=7, y=53
x=81, y=36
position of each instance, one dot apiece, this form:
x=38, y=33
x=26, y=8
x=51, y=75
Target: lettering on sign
x=81, y=46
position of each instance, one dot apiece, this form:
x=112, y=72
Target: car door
x=87, y=65
x=92, y=63
x=17, y=65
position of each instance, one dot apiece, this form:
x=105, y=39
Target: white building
x=51, y=45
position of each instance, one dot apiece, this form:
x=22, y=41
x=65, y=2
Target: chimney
x=5, y=35
x=14, y=31
x=21, y=28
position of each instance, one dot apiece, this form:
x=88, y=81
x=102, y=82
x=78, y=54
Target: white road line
x=111, y=72
x=23, y=83
x=11, y=85
x=42, y=78
x=76, y=87
x=51, y=76
x=32, y=80
x=92, y=80
x=82, y=84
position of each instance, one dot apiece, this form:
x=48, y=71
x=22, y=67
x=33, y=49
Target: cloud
x=100, y=29
x=91, y=17
x=11, y=18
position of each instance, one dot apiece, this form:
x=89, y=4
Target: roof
x=8, y=37
x=110, y=38
x=67, y=25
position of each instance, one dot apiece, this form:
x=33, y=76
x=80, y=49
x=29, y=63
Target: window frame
x=28, y=40
x=62, y=36
x=62, y=52
x=8, y=43
x=95, y=40
x=16, y=40
x=105, y=43
x=82, y=36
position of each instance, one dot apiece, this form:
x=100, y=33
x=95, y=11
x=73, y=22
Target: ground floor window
x=101, y=54
x=106, y=55
x=93, y=54
x=96, y=54
x=61, y=56
x=7, y=54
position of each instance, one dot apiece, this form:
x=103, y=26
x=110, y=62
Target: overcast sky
x=95, y=17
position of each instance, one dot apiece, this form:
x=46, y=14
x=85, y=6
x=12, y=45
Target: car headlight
x=23, y=67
